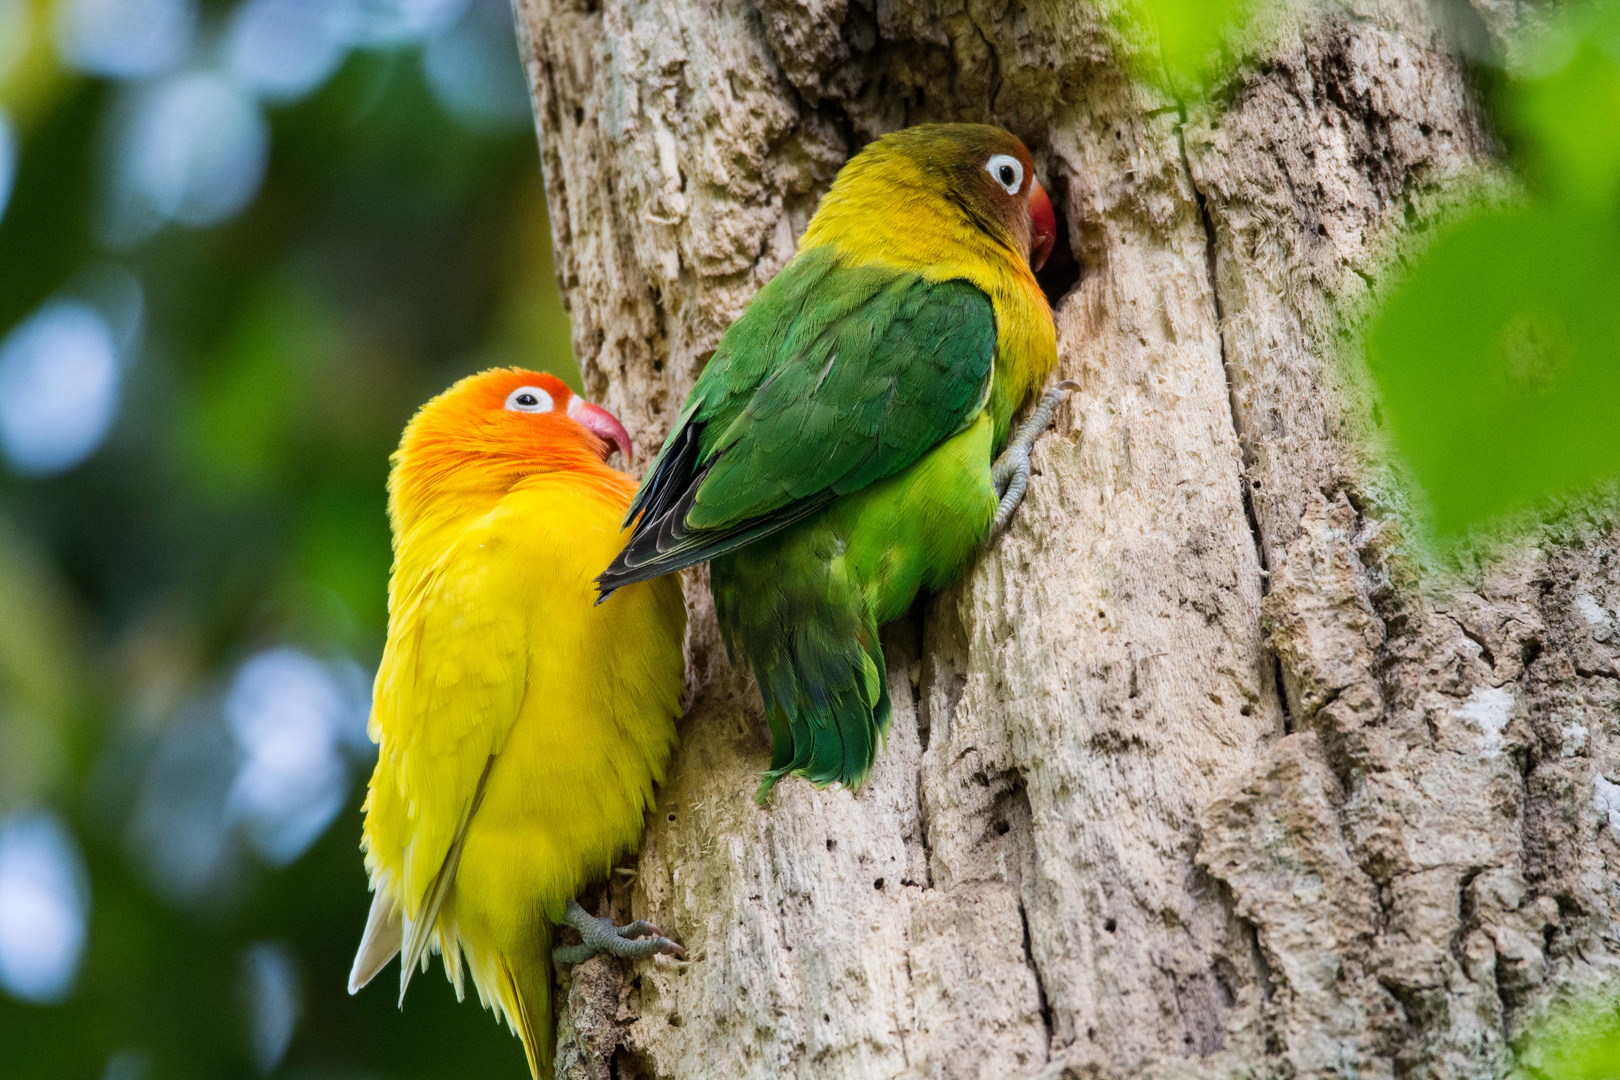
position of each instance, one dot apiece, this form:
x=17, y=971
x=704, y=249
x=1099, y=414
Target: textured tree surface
x=1200, y=771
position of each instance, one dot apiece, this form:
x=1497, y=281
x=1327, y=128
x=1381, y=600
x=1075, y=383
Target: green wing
x=834, y=377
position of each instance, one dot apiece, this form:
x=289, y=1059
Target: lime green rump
x=802, y=608
x=919, y=529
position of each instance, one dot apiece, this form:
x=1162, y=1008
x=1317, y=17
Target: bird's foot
x=1010, y=471
x=633, y=940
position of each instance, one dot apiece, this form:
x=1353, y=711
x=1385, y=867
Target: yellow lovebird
x=521, y=727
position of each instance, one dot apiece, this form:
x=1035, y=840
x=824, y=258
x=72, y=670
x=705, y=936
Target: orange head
x=499, y=426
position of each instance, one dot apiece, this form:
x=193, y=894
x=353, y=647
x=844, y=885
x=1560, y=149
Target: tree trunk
x=1199, y=771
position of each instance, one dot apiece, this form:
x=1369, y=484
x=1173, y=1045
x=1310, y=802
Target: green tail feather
x=812, y=643
x=802, y=608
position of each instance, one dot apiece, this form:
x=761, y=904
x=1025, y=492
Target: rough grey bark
x=1200, y=772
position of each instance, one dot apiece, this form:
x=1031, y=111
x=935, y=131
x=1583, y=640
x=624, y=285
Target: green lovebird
x=837, y=453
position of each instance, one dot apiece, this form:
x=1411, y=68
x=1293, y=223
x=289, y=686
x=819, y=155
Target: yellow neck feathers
x=891, y=209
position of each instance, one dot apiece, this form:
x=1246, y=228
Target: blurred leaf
x=31, y=77
x=1578, y=1040
x=1499, y=354
x=1191, y=31
x=43, y=673
x=1182, y=42
x=1499, y=361
x=344, y=547
x=1565, y=106
x=253, y=393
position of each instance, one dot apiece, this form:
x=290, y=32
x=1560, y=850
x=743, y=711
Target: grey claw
x=635, y=941
x=1010, y=471
x=651, y=946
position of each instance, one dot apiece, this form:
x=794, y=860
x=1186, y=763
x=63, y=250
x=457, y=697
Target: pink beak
x=1043, y=226
x=603, y=424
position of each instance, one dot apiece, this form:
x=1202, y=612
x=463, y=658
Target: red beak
x=1043, y=226
x=603, y=424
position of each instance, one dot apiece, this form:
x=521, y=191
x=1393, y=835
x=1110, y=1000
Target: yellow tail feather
x=526, y=997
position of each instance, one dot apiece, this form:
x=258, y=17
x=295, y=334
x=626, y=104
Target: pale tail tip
x=358, y=979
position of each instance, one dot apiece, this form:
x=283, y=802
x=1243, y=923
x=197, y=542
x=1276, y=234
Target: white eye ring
x=528, y=399
x=1007, y=171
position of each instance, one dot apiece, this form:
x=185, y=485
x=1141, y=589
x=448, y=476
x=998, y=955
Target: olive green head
x=936, y=177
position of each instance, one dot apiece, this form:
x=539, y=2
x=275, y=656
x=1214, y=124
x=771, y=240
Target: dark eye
x=1007, y=171
x=529, y=399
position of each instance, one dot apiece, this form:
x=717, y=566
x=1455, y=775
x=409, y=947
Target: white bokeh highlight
x=8, y=161
x=292, y=717
x=59, y=377
x=274, y=1001
x=267, y=766
x=385, y=23
x=473, y=69
x=191, y=149
x=285, y=49
x=44, y=907
x=179, y=832
x=127, y=1064
x=125, y=39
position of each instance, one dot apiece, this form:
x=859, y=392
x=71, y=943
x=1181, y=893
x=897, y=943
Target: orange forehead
x=490, y=389
x=477, y=404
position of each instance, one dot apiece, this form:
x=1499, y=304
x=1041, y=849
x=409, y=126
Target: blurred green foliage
x=238, y=505
x=1189, y=34
x=1564, y=107
x=1498, y=353
x=1576, y=1040
x=1498, y=358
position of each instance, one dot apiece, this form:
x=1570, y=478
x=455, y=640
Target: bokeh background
x=239, y=242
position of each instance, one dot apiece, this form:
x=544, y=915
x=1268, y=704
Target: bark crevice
x=1234, y=405
x=1035, y=969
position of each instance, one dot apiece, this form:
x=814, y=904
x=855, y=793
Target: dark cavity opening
x=1062, y=270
